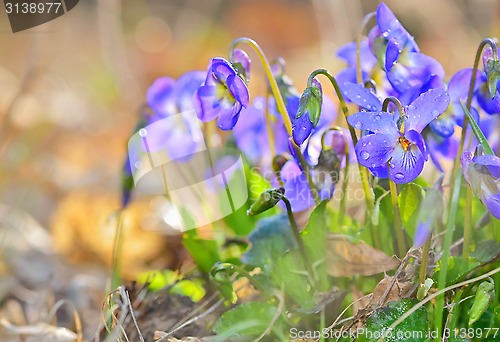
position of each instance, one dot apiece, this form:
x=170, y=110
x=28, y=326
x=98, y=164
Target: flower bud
x=266, y=201
x=310, y=102
x=279, y=161
x=241, y=63
x=338, y=142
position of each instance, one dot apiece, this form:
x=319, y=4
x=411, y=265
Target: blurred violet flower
x=440, y=148
x=172, y=99
x=429, y=213
x=222, y=95
x=397, y=140
x=250, y=132
x=296, y=187
x=483, y=175
x=368, y=63
x=458, y=89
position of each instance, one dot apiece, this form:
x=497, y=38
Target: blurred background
x=70, y=91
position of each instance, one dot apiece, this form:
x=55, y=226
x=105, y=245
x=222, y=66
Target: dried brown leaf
x=346, y=258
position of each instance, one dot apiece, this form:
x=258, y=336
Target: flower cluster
x=417, y=119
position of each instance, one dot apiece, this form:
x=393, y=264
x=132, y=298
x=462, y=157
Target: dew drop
x=392, y=166
x=435, y=113
x=378, y=117
x=138, y=164
x=399, y=176
x=358, y=96
x=364, y=144
x=143, y=132
x=358, y=125
x=365, y=155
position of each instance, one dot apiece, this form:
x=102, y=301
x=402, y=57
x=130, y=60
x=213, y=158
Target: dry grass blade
x=40, y=332
x=76, y=316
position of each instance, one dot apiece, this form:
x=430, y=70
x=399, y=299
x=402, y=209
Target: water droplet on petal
x=378, y=117
x=364, y=144
x=365, y=155
x=392, y=166
x=435, y=113
x=138, y=164
x=143, y=132
x=399, y=176
x=358, y=125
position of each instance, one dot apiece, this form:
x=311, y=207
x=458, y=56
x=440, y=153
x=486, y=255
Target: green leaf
x=290, y=272
x=477, y=132
x=157, y=279
x=239, y=222
x=458, y=267
x=190, y=288
x=314, y=237
x=484, y=296
x=269, y=241
x=383, y=221
x=486, y=251
x=248, y=319
x=204, y=252
x=415, y=326
x=409, y=201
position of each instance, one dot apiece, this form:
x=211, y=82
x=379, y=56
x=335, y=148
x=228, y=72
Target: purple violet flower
x=397, y=140
x=222, y=95
x=409, y=71
x=483, y=175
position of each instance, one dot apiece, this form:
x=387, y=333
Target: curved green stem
x=467, y=223
x=425, y=260
x=398, y=225
x=269, y=131
x=493, y=45
x=448, y=238
x=458, y=180
x=394, y=101
x=362, y=170
x=298, y=239
x=366, y=20
x=224, y=266
x=280, y=105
